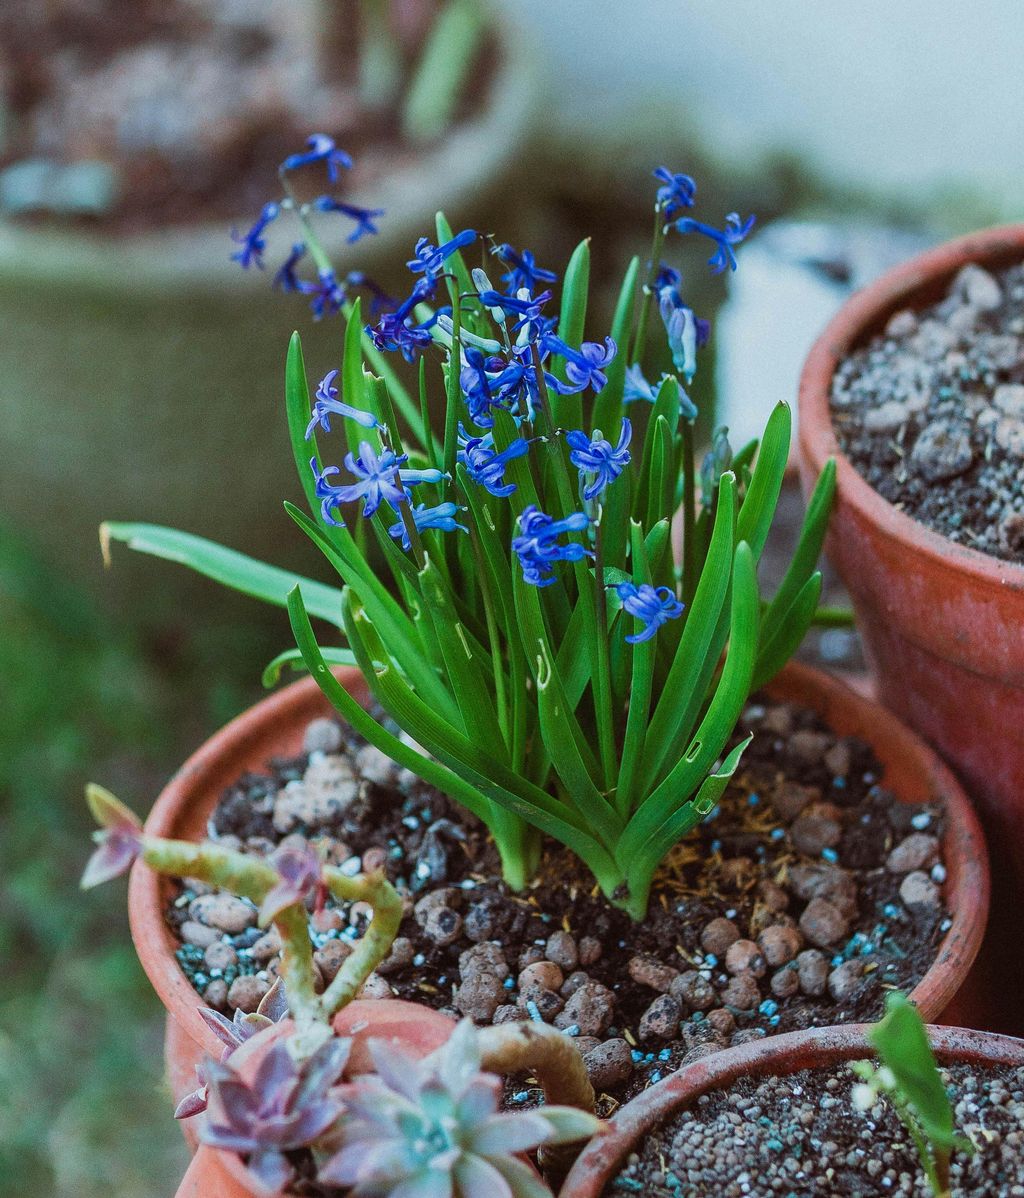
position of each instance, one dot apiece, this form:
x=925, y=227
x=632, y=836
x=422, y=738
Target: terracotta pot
x=775, y=1056
x=419, y=1030
x=275, y=727
x=941, y=623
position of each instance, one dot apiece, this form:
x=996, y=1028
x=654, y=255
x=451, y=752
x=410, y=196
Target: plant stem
x=540, y=1049
x=376, y=943
x=657, y=241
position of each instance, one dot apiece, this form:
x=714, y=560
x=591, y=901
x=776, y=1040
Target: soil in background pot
x=801, y=1135
x=181, y=114
x=931, y=412
x=805, y=896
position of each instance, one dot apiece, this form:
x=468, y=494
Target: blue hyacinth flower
x=441, y=517
x=428, y=260
x=653, y=605
x=734, y=232
x=676, y=192
x=286, y=279
x=327, y=294
x=363, y=217
x=321, y=148
x=377, y=481
x=598, y=459
x=327, y=404
x=485, y=466
x=524, y=272
x=252, y=241
x=537, y=545
x=584, y=367
x=397, y=330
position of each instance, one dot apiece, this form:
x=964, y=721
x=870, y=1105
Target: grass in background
x=83, y=1111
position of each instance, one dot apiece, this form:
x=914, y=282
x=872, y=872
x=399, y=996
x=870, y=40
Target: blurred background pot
x=941, y=623
x=275, y=727
x=161, y=397
x=816, y=1048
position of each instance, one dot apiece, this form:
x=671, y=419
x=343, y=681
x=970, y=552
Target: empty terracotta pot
x=275, y=728
x=775, y=1056
x=942, y=625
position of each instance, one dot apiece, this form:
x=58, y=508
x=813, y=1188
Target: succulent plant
x=288, y=1105
x=233, y=1033
x=432, y=1128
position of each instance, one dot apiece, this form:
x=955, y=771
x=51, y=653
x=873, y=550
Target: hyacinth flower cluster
x=542, y=585
x=327, y=292
x=432, y=1127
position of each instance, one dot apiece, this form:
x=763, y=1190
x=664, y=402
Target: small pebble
x=718, y=935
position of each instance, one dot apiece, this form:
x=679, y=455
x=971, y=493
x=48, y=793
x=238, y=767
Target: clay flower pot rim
x=913, y=284
x=260, y=732
x=466, y=163
x=777, y=1055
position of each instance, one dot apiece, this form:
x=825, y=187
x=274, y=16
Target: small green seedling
x=908, y=1076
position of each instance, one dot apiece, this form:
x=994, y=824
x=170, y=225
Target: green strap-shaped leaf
x=469, y=759
x=226, y=566
x=568, y=409
x=608, y=405
x=696, y=658
x=645, y=862
x=355, y=572
x=296, y=395
x=754, y=520
x=557, y=728
x=294, y=659
x=777, y=648
x=640, y=689
x=718, y=723
x=808, y=550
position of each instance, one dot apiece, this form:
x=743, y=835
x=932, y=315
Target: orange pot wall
x=942, y=625
x=776, y=1056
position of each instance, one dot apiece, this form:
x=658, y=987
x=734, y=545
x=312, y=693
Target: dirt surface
x=807, y=894
x=931, y=412
x=801, y=1135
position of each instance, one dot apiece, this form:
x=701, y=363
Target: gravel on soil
x=804, y=896
x=800, y=1135
x=931, y=412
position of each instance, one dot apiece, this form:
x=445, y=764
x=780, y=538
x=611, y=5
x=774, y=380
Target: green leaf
x=901, y=1041
x=777, y=648
x=608, y=405
x=808, y=549
x=443, y=69
x=696, y=658
x=293, y=658
x=356, y=572
x=568, y=409
x=226, y=566
x=296, y=392
x=718, y=723
x=641, y=684
x=641, y=868
x=757, y=511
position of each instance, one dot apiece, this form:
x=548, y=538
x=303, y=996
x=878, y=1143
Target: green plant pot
x=142, y=376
